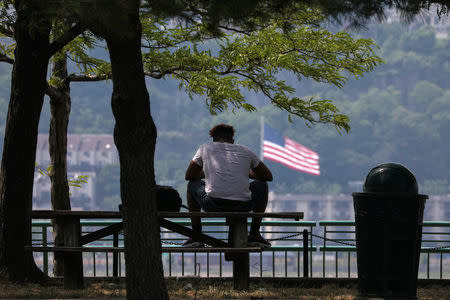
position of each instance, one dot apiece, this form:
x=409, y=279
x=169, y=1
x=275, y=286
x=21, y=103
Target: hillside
x=399, y=113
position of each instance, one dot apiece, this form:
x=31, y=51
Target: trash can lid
x=390, y=178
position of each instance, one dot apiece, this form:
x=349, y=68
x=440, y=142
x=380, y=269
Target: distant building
x=340, y=207
x=315, y=207
x=85, y=154
x=83, y=150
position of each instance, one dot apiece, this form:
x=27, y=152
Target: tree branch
x=52, y=92
x=155, y=75
x=233, y=29
x=86, y=77
x=67, y=37
x=6, y=59
x=158, y=74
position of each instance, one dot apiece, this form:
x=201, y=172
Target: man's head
x=222, y=133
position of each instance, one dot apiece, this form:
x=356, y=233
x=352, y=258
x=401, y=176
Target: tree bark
x=135, y=138
x=32, y=29
x=60, y=104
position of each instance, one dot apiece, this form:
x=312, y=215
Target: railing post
x=324, y=247
x=220, y=264
x=115, y=254
x=207, y=264
x=260, y=264
x=305, y=253
x=195, y=264
x=170, y=264
x=310, y=253
x=45, y=254
x=285, y=264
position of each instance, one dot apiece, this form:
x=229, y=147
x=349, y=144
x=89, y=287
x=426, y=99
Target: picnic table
x=236, y=249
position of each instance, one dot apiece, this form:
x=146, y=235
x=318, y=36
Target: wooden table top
x=50, y=214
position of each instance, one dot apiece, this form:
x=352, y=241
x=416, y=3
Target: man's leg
x=260, y=196
x=193, y=207
x=196, y=198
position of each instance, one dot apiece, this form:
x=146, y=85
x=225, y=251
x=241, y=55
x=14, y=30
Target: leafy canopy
x=217, y=64
x=245, y=59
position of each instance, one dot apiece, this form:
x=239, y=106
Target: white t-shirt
x=226, y=168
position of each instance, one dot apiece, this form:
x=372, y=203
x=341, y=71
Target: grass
x=37, y=291
x=194, y=289
x=225, y=292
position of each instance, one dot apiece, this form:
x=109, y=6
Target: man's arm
x=194, y=172
x=261, y=172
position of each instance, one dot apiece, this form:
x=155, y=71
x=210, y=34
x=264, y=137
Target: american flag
x=283, y=150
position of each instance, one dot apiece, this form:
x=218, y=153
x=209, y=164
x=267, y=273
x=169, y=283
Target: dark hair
x=223, y=131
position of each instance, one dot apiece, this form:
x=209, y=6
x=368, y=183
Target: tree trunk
x=59, y=120
x=31, y=30
x=135, y=138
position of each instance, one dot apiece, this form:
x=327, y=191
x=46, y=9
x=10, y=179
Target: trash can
x=388, y=219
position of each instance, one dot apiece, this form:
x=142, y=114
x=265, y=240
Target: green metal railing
x=431, y=245
x=341, y=235
x=283, y=259
x=277, y=230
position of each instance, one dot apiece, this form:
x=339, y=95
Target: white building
x=85, y=153
x=340, y=207
x=82, y=150
x=315, y=207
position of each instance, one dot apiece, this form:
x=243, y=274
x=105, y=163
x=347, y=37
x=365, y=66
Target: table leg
x=241, y=271
x=73, y=261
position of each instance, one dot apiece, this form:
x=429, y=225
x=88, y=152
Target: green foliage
x=218, y=66
x=78, y=52
x=241, y=58
x=76, y=182
x=220, y=69
x=7, y=50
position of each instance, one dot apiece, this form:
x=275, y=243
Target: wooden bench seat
x=284, y=215
x=50, y=214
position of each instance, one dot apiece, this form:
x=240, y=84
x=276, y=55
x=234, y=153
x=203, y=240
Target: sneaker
x=191, y=243
x=257, y=241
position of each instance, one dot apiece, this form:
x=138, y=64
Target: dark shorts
x=259, y=190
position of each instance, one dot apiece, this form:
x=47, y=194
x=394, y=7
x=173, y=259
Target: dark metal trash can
x=388, y=218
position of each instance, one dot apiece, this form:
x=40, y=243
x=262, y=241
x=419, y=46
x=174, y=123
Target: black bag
x=167, y=198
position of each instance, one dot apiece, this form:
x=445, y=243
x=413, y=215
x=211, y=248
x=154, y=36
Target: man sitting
x=227, y=168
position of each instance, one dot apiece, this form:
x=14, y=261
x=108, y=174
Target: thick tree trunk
x=32, y=31
x=135, y=138
x=59, y=120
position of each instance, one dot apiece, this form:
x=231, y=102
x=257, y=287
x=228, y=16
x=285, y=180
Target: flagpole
x=261, y=143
